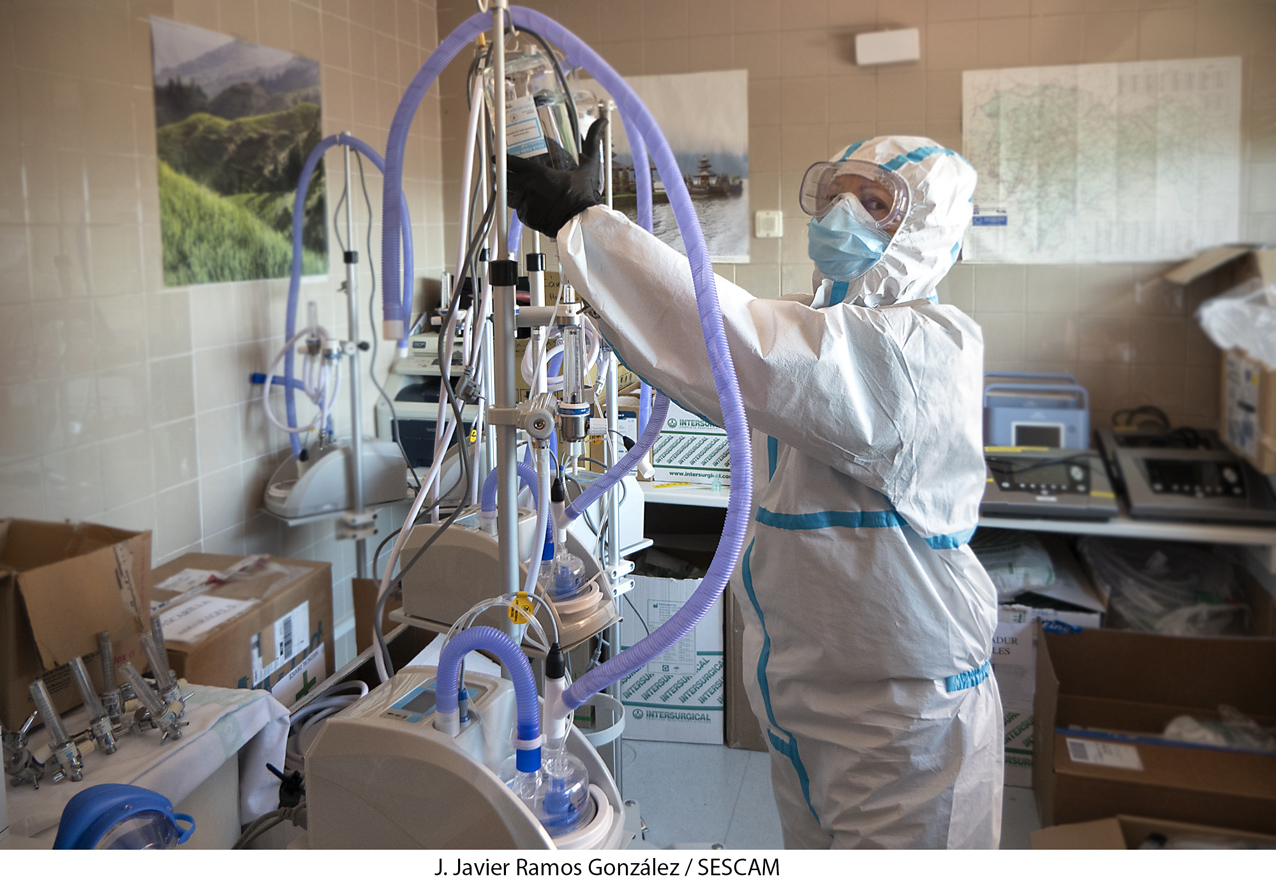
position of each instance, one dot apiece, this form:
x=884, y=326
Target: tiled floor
x=696, y=794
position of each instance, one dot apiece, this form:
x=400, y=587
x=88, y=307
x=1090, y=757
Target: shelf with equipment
x=1259, y=540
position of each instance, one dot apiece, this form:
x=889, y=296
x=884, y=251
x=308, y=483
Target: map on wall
x=234, y=124
x=1128, y=162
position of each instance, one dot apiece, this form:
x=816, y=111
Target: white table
x=216, y=772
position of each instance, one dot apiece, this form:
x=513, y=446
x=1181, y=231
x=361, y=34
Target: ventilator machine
x=511, y=546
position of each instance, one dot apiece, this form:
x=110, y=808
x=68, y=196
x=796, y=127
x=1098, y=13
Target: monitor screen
x=420, y=703
x=1028, y=435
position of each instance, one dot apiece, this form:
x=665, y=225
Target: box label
x=1108, y=755
x=680, y=695
x=301, y=679
x=1243, y=379
x=523, y=134
x=679, y=659
x=124, y=579
x=183, y=582
x=1017, y=732
x=690, y=449
x=291, y=637
x=190, y=620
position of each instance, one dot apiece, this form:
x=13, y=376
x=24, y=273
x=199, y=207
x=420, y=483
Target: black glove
x=547, y=199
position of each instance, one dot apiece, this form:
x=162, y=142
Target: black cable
x=638, y=615
x=1129, y=417
x=376, y=556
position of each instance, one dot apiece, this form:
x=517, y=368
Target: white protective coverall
x=869, y=621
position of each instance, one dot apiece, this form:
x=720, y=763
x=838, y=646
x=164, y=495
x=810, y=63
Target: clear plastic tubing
x=543, y=530
x=395, y=306
x=494, y=641
x=515, y=236
x=637, y=119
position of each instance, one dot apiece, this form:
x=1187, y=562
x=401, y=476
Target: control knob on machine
x=1077, y=473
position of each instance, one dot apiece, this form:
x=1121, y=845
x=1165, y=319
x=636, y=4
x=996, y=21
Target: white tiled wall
x=127, y=402
x=123, y=401
x=1126, y=338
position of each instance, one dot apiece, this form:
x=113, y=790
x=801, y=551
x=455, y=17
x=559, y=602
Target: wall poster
x=234, y=124
x=705, y=117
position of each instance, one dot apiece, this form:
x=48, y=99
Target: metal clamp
x=537, y=416
x=503, y=416
x=357, y=525
x=19, y=764
x=66, y=754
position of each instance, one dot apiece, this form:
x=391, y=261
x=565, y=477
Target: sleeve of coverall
x=839, y=385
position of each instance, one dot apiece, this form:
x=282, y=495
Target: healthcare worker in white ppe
x=869, y=621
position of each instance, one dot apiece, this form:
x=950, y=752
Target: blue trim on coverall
x=787, y=748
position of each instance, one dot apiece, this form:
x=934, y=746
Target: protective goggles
x=883, y=194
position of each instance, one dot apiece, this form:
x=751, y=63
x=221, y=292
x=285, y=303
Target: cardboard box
x=1247, y=421
x=262, y=622
x=1014, y=658
x=1125, y=833
x=60, y=586
x=1103, y=699
x=690, y=449
x=365, y=602
x=678, y=696
x=1247, y=399
x=742, y=729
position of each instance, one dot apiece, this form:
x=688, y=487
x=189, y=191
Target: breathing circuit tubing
x=393, y=308
x=637, y=120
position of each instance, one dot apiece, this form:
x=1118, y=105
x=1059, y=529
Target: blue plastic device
x=1052, y=412
x=121, y=816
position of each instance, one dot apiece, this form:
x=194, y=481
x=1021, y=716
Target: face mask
x=844, y=242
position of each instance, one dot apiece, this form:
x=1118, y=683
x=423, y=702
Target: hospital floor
x=699, y=794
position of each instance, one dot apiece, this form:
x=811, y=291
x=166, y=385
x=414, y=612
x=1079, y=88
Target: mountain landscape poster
x=234, y=123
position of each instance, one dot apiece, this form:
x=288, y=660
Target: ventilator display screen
x=421, y=702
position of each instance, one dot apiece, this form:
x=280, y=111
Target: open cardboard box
x=60, y=586
x=1075, y=600
x=1247, y=397
x=1104, y=697
x=1124, y=833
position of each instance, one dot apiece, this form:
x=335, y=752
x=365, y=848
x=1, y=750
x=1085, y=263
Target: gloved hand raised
x=546, y=199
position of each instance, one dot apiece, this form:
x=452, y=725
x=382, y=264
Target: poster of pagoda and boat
x=705, y=117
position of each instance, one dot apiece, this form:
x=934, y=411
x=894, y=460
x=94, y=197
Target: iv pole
x=504, y=277
x=357, y=523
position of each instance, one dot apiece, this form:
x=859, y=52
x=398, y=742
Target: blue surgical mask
x=841, y=244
